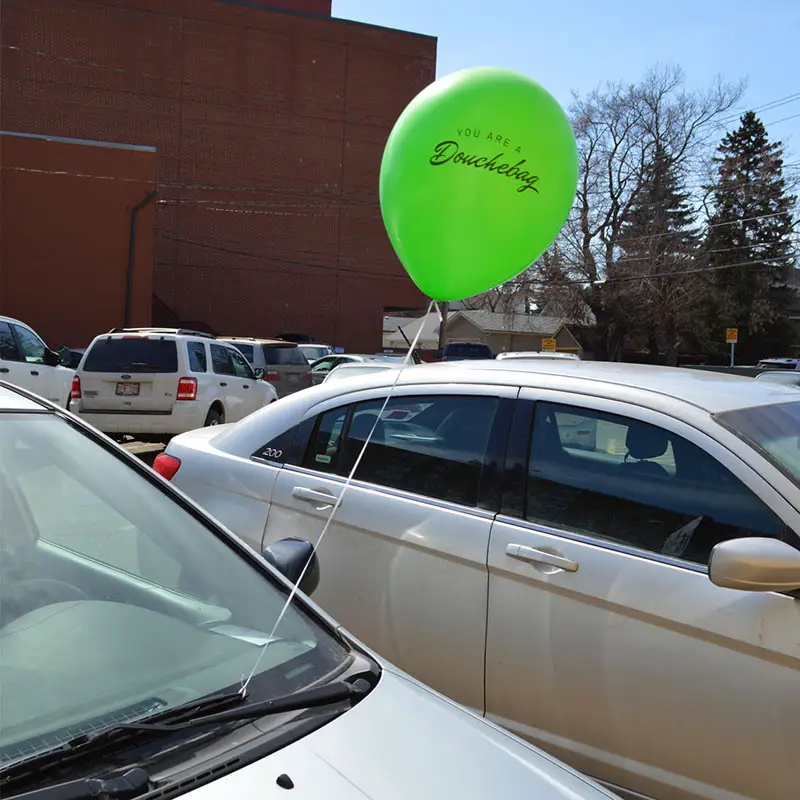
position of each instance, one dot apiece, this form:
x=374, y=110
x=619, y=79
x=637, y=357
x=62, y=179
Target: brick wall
x=64, y=234
x=269, y=129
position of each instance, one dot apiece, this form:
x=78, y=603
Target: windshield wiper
x=133, y=783
x=326, y=695
x=180, y=718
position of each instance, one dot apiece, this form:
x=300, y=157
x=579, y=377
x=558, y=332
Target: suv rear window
x=280, y=355
x=467, y=351
x=135, y=354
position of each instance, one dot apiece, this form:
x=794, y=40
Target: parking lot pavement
x=147, y=452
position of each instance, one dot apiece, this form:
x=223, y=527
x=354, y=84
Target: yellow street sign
x=731, y=335
x=548, y=345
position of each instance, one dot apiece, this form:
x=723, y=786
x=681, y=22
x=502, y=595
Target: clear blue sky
x=575, y=44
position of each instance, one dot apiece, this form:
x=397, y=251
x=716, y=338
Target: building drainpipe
x=149, y=197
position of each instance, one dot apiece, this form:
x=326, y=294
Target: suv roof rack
x=176, y=331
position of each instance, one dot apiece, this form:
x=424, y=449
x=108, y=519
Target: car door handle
x=313, y=495
x=3, y=369
x=34, y=372
x=222, y=383
x=246, y=386
x=536, y=556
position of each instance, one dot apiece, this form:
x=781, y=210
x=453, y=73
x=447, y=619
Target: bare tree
x=618, y=129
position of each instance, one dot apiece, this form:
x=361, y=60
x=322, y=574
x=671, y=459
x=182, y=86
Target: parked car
x=779, y=363
x=631, y=607
x=284, y=364
x=315, y=351
x=358, y=368
x=145, y=650
x=156, y=382
x=25, y=360
x=526, y=355
x=462, y=351
x=321, y=367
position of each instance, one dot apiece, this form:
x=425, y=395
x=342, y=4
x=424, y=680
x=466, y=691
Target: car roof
x=711, y=391
x=257, y=340
x=14, y=320
x=13, y=400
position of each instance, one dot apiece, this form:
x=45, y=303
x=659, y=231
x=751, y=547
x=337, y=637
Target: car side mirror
x=259, y=372
x=755, y=565
x=64, y=356
x=290, y=556
x=50, y=358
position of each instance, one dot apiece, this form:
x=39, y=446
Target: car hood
x=405, y=741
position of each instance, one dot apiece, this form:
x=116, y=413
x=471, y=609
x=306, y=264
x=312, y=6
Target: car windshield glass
x=774, y=430
x=787, y=378
x=348, y=371
x=277, y=355
x=135, y=354
x=313, y=353
x=247, y=350
x=110, y=608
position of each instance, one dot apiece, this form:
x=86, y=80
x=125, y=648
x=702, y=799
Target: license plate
x=128, y=389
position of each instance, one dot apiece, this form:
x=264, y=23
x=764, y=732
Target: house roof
x=391, y=324
x=498, y=322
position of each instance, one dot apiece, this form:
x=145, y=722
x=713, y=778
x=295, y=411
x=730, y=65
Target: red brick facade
x=269, y=128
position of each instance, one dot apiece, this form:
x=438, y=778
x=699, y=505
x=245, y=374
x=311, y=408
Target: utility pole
x=443, y=308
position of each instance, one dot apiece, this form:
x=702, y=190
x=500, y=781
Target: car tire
x=214, y=417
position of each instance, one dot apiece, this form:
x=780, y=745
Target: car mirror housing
x=755, y=565
x=290, y=556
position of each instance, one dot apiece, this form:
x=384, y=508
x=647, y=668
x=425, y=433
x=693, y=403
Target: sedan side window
x=8, y=345
x=322, y=453
x=633, y=483
x=30, y=344
x=433, y=446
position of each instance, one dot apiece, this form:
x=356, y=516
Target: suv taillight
x=166, y=466
x=75, y=392
x=187, y=389
x=272, y=376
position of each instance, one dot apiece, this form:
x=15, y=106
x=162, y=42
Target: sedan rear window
x=278, y=355
x=134, y=354
x=774, y=430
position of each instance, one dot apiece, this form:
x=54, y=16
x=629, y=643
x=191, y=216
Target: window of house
x=633, y=483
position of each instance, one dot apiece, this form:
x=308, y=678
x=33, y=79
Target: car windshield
x=132, y=354
x=284, y=355
x=786, y=378
x=116, y=602
x=313, y=353
x=774, y=430
x=354, y=370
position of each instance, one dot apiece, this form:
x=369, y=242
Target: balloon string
x=348, y=481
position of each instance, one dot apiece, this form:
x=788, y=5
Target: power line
x=268, y=258
x=694, y=271
x=781, y=101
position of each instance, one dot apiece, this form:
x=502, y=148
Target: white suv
x=26, y=361
x=156, y=382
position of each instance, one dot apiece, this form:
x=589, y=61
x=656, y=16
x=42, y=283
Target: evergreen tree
x=659, y=243
x=749, y=239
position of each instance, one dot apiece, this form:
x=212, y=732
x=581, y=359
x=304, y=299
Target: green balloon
x=477, y=179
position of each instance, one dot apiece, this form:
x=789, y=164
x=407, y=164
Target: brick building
x=268, y=126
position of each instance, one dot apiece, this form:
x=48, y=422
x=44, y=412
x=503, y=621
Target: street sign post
x=731, y=338
x=548, y=345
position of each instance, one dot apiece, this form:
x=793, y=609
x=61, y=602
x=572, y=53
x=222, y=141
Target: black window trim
x=518, y=453
x=489, y=487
